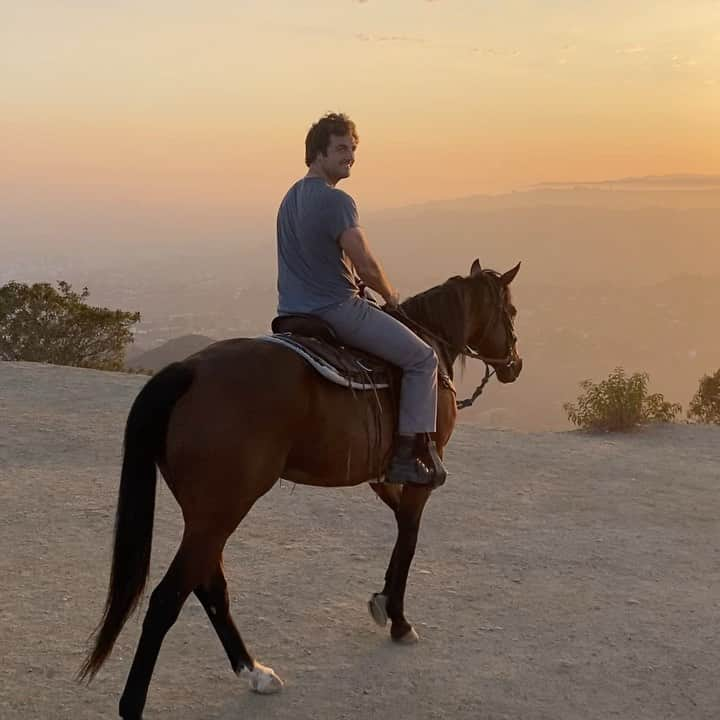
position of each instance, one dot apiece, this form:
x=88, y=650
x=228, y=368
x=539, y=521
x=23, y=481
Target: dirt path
x=558, y=576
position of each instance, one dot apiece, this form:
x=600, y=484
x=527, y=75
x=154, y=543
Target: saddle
x=316, y=341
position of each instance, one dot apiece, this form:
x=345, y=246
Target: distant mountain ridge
x=661, y=182
x=665, y=191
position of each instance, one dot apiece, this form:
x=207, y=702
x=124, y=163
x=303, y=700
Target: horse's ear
x=475, y=268
x=509, y=276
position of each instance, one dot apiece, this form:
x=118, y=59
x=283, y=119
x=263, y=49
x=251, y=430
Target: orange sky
x=205, y=105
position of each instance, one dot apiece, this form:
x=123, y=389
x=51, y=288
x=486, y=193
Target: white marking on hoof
x=409, y=638
x=263, y=680
x=377, y=605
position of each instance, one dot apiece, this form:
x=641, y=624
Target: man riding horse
x=226, y=423
x=320, y=251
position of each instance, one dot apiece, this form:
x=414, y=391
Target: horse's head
x=491, y=332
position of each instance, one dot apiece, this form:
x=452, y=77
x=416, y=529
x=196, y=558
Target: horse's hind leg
x=194, y=562
x=213, y=596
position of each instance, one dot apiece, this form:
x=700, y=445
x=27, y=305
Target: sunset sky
x=180, y=105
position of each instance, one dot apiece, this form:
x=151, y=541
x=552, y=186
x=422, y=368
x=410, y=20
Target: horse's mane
x=443, y=310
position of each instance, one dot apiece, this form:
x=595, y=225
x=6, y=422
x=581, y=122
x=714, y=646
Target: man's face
x=340, y=157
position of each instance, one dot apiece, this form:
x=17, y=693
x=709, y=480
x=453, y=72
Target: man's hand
x=393, y=300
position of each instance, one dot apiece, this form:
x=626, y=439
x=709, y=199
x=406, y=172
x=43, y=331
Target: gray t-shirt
x=313, y=271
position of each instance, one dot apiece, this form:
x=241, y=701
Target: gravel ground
x=558, y=576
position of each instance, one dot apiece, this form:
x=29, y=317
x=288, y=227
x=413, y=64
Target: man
x=321, y=248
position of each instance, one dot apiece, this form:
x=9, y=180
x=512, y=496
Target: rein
x=467, y=402
x=467, y=351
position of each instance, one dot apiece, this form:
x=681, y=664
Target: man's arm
x=353, y=242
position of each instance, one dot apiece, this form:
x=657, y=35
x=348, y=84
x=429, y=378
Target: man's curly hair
x=318, y=137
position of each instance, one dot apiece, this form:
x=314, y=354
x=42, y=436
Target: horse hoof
x=377, y=605
x=264, y=681
x=409, y=638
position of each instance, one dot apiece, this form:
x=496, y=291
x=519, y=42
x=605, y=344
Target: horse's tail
x=144, y=444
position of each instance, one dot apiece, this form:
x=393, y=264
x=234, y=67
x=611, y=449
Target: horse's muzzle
x=510, y=372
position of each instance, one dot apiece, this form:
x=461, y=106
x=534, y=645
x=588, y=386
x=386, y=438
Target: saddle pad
x=340, y=365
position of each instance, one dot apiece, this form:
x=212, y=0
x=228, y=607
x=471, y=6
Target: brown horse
x=226, y=423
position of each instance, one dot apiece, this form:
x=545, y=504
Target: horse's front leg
x=408, y=510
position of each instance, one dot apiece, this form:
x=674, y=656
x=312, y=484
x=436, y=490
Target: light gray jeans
x=363, y=325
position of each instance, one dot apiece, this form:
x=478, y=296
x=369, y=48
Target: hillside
x=175, y=349
x=558, y=575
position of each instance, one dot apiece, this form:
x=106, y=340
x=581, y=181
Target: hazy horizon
x=97, y=230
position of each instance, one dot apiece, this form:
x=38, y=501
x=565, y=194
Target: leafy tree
x=619, y=403
x=705, y=405
x=41, y=324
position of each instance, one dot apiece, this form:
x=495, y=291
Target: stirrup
x=434, y=463
x=438, y=469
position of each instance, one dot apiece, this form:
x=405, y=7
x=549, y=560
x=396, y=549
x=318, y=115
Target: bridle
x=501, y=314
x=508, y=361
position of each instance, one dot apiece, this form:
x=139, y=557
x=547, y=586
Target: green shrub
x=620, y=402
x=705, y=405
x=39, y=323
